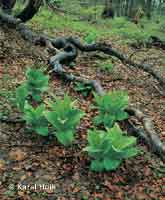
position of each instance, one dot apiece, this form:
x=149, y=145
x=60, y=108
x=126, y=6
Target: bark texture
x=30, y=10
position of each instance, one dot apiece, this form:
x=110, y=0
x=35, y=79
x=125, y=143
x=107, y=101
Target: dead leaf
x=17, y=155
x=2, y=165
x=141, y=196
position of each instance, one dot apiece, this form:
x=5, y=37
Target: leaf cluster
x=84, y=88
x=27, y=93
x=111, y=108
x=90, y=38
x=107, y=66
x=35, y=119
x=106, y=148
x=35, y=85
x=109, y=148
x=64, y=117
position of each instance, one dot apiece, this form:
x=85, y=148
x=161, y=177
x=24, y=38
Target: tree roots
x=69, y=52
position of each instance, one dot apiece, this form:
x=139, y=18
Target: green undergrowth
x=60, y=118
x=119, y=28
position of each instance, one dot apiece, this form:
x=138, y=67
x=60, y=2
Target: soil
x=26, y=160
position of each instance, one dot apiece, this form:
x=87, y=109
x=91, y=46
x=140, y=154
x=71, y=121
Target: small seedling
x=84, y=88
x=107, y=66
x=90, y=38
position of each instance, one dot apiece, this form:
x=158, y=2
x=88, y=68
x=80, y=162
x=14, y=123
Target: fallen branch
x=58, y=43
x=151, y=138
x=156, y=145
x=156, y=42
x=107, y=49
x=12, y=120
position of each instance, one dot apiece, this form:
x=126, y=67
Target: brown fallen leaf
x=2, y=165
x=111, y=187
x=17, y=155
x=98, y=195
x=76, y=190
x=23, y=177
x=141, y=196
x=21, y=194
x=16, y=168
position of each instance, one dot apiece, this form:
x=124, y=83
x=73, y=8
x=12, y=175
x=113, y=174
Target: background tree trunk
x=30, y=10
x=7, y=5
x=108, y=9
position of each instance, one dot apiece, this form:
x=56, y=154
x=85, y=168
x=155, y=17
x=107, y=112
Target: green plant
x=64, y=117
x=21, y=95
x=36, y=83
x=35, y=119
x=84, y=88
x=109, y=148
x=90, y=38
x=111, y=108
x=107, y=66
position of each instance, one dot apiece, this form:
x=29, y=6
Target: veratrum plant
x=107, y=66
x=111, y=108
x=84, y=88
x=108, y=149
x=35, y=119
x=90, y=38
x=36, y=83
x=21, y=95
x=64, y=117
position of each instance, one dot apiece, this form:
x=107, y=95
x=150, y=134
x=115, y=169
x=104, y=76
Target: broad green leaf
x=111, y=107
x=130, y=152
x=42, y=131
x=35, y=119
x=110, y=164
x=36, y=97
x=64, y=118
x=110, y=147
x=51, y=117
x=21, y=95
x=98, y=120
x=120, y=141
x=37, y=83
x=65, y=138
x=90, y=38
x=93, y=137
x=40, y=109
x=92, y=149
x=108, y=120
x=121, y=115
x=97, y=166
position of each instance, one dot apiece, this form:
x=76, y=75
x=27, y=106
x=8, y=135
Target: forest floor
x=29, y=160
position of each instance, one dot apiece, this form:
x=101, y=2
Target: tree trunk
x=108, y=11
x=7, y=5
x=149, y=8
x=30, y=10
